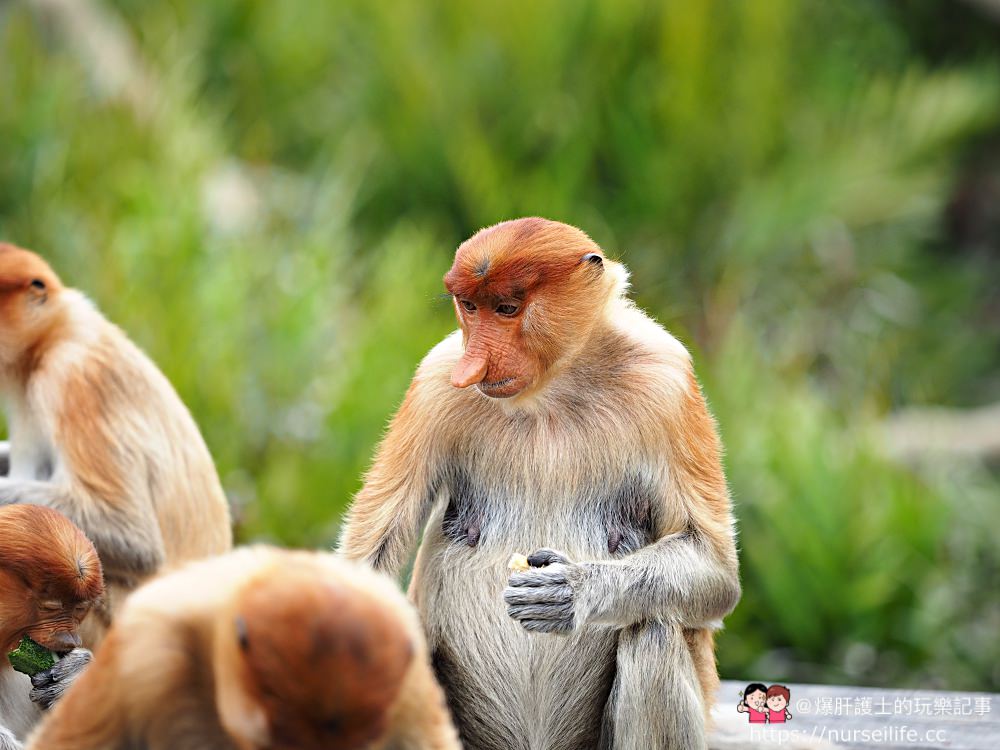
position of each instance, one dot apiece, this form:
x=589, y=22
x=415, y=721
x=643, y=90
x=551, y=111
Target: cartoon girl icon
x=754, y=702
x=777, y=704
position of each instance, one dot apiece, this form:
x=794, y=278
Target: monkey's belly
x=17, y=712
x=507, y=688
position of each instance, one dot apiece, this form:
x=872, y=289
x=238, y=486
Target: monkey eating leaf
x=30, y=658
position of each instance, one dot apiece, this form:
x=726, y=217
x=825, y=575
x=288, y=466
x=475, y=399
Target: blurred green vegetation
x=266, y=194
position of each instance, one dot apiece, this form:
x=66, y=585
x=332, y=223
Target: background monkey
x=560, y=416
x=50, y=579
x=260, y=648
x=98, y=433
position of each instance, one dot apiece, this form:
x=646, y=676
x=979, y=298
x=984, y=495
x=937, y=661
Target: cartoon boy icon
x=754, y=702
x=777, y=704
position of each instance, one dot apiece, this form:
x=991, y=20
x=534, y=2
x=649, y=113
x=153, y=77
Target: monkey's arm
x=690, y=577
x=92, y=714
x=676, y=579
x=388, y=512
x=49, y=686
x=421, y=719
x=125, y=534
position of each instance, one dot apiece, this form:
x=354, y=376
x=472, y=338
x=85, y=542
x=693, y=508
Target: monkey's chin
x=506, y=388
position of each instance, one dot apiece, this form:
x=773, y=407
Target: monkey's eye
x=469, y=306
x=507, y=309
x=51, y=605
x=38, y=284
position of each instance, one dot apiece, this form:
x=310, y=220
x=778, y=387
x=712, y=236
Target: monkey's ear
x=593, y=259
x=240, y=713
x=37, y=290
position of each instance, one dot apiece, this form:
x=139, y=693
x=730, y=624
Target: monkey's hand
x=543, y=598
x=8, y=741
x=49, y=686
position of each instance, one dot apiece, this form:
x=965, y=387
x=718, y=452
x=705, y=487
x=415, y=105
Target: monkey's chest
x=509, y=689
x=17, y=712
x=596, y=520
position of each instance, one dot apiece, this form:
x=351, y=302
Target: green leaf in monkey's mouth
x=30, y=658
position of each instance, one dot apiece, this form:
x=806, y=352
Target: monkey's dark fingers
x=47, y=696
x=549, y=594
x=554, y=575
x=559, y=627
x=50, y=685
x=545, y=556
x=65, y=668
x=526, y=612
x=562, y=594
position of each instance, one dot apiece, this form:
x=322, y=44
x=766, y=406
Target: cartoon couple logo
x=766, y=705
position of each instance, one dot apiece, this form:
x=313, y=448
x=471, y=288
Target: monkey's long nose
x=471, y=369
x=63, y=641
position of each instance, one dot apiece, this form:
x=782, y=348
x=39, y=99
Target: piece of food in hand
x=30, y=658
x=518, y=564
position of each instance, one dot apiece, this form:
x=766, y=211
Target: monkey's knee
x=655, y=700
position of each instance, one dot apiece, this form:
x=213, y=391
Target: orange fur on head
x=53, y=576
x=26, y=285
x=507, y=277
x=324, y=663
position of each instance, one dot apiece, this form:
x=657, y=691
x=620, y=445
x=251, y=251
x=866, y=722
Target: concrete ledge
x=834, y=716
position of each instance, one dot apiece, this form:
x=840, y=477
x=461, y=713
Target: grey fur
x=50, y=685
x=640, y=676
x=8, y=741
x=524, y=688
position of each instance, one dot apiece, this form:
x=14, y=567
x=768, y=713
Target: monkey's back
x=126, y=436
x=183, y=485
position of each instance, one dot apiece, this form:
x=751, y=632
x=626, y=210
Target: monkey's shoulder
x=431, y=384
x=636, y=361
x=442, y=357
x=645, y=339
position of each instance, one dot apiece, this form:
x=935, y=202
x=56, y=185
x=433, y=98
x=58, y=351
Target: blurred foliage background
x=266, y=194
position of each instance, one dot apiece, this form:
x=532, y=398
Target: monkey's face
x=48, y=620
x=27, y=287
x=57, y=623
x=497, y=359
x=526, y=293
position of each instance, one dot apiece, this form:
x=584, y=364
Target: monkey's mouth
x=500, y=388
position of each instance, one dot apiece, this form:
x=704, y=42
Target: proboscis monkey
x=50, y=579
x=559, y=417
x=259, y=649
x=98, y=433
